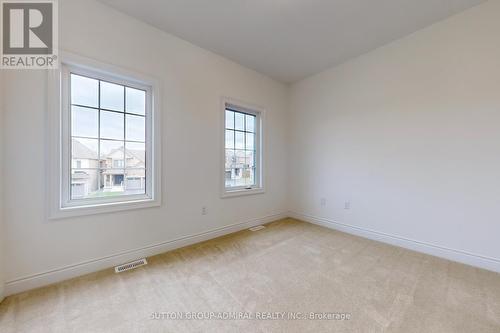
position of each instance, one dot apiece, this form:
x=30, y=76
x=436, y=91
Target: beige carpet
x=290, y=267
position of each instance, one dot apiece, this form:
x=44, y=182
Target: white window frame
x=59, y=196
x=260, y=114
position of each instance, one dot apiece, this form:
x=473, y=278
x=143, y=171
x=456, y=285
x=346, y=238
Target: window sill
x=242, y=192
x=103, y=208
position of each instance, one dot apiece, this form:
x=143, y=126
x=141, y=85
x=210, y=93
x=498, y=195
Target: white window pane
x=229, y=139
x=249, y=158
x=238, y=177
x=112, y=125
x=135, y=181
x=117, y=164
x=230, y=158
x=250, y=123
x=244, y=178
x=112, y=183
x=84, y=183
x=84, y=91
x=234, y=175
x=239, y=140
x=249, y=176
x=229, y=119
x=239, y=159
x=84, y=122
x=135, y=155
x=84, y=153
x=229, y=181
x=250, y=141
x=136, y=128
x=239, y=121
x=111, y=152
x=136, y=101
x=112, y=96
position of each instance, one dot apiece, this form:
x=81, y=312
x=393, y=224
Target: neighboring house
x=84, y=178
x=89, y=175
x=238, y=165
x=113, y=175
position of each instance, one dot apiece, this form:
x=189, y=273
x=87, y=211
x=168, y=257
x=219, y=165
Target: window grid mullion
x=108, y=110
x=99, y=135
x=104, y=139
x=70, y=189
x=244, y=138
x=124, y=134
x=234, y=130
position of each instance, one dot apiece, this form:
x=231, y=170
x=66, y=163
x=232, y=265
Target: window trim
x=260, y=113
x=59, y=166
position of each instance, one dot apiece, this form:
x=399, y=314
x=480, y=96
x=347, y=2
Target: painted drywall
x=409, y=135
x=2, y=232
x=193, y=82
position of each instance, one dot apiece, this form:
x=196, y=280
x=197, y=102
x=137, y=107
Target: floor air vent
x=130, y=265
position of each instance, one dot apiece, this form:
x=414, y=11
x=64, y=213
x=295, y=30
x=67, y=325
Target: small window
x=242, y=150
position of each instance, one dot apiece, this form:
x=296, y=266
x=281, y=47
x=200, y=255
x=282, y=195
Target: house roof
x=79, y=150
x=137, y=154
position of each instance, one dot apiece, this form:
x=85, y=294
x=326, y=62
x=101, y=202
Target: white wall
x=193, y=82
x=2, y=233
x=410, y=135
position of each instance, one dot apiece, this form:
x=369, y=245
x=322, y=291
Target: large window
x=108, y=140
x=242, y=149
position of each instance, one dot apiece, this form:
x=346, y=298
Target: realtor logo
x=29, y=34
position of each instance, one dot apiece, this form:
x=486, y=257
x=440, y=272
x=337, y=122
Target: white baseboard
x=67, y=272
x=492, y=264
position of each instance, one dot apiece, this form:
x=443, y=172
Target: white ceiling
x=290, y=39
